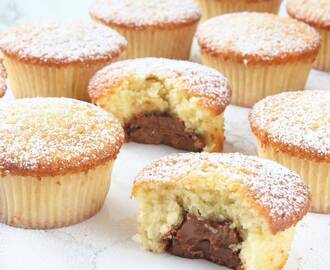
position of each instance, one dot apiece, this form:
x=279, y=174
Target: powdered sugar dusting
x=278, y=190
x=315, y=12
x=259, y=36
x=146, y=13
x=50, y=136
x=206, y=83
x=62, y=42
x=297, y=121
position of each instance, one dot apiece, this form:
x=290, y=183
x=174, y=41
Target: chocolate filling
x=204, y=239
x=162, y=128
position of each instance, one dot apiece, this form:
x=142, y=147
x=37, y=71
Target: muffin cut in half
x=153, y=28
x=56, y=157
x=162, y=101
x=231, y=209
x=261, y=54
x=57, y=59
x=294, y=129
x=317, y=14
x=212, y=8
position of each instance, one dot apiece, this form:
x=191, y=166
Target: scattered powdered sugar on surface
x=300, y=121
x=210, y=85
x=261, y=35
x=62, y=42
x=277, y=189
x=316, y=12
x=56, y=134
x=144, y=13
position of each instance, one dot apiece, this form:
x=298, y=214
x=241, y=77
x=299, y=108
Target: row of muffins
x=58, y=147
x=151, y=25
x=57, y=155
x=292, y=128
x=258, y=51
x=56, y=160
x=63, y=57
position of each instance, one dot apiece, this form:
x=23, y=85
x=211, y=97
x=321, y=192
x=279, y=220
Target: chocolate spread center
x=204, y=239
x=162, y=128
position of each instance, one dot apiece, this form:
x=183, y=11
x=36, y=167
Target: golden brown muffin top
x=297, y=123
x=3, y=77
x=250, y=37
x=62, y=43
x=313, y=12
x=142, y=14
x=55, y=136
x=279, y=194
x=247, y=1
x=254, y=1
x=210, y=86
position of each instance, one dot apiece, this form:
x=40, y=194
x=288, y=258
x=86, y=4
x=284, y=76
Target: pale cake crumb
x=208, y=84
x=277, y=189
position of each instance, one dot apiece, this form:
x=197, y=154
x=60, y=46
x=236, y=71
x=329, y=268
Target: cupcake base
x=251, y=83
x=212, y=8
x=315, y=174
x=165, y=43
x=28, y=80
x=52, y=202
x=323, y=59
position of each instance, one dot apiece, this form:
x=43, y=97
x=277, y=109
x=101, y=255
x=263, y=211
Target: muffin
x=153, y=28
x=212, y=8
x=260, y=54
x=56, y=160
x=57, y=59
x=231, y=209
x=3, y=77
x=317, y=14
x=294, y=130
x=162, y=101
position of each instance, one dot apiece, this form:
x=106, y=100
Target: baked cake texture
x=165, y=101
x=57, y=59
x=153, y=28
x=317, y=14
x=235, y=210
x=56, y=157
x=260, y=54
x=3, y=78
x=293, y=129
x=213, y=8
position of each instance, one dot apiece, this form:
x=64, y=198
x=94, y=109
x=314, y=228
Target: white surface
x=104, y=241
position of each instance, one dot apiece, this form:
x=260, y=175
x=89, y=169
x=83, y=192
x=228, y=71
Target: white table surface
x=105, y=241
